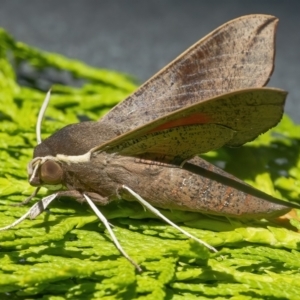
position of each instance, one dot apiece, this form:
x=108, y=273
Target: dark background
x=140, y=37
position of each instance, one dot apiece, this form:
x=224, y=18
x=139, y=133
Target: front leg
x=78, y=196
x=41, y=205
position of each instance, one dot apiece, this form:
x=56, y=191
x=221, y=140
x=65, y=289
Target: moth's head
x=45, y=171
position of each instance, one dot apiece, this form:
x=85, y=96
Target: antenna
x=40, y=117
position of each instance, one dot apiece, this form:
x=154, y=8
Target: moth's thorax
x=71, y=171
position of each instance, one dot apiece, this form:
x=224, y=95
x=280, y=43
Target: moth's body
x=168, y=187
x=196, y=186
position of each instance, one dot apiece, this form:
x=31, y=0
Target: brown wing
x=237, y=55
x=231, y=119
x=180, y=143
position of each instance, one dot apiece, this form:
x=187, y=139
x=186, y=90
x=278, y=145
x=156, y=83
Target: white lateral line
x=106, y=224
x=160, y=215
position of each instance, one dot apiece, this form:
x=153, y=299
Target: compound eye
x=51, y=172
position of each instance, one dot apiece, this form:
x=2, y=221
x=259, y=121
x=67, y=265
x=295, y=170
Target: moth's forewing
x=237, y=55
x=231, y=119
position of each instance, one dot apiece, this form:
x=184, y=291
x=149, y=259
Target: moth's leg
x=106, y=224
x=160, y=215
x=100, y=200
x=41, y=206
x=34, y=211
x=27, y=200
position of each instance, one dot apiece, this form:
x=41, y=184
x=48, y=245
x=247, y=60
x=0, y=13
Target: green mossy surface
x=66, y=253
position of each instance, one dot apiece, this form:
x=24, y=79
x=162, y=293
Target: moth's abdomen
x=189, y=190
x=198, y=186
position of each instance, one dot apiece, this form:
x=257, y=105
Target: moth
x=145, y=149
